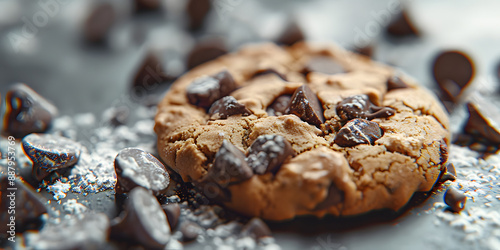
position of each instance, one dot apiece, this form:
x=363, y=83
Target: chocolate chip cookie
x=278, y=132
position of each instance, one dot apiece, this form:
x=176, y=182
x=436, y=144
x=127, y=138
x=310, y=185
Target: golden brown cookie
x=277, y=132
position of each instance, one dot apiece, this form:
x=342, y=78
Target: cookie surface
x=310, y=129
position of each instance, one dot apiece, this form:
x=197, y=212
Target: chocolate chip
x=268, y=152
x=455, y=199
x=147, y=5
x=358, y=131
x=483, y=121
x=402, y=25
x=27, y=112
x=395, y=82
x=360, y=106
x=136, y=167
x=50, y=152
x=291, y=34
x=448, y=173
x=453, y=71
x=323, y=64
x=143, y=221
x=149, y=74
x=229, y=166
x=205, y=51
x=305, y=104
x=256, y=228
x=197, y=11
x=204, y=91
x=269, y=71
x=278, y=107
x=190, y=231
x=227, y=106
x=99, y=23
x=173, y=212
x=29, y=206
x=334, y=197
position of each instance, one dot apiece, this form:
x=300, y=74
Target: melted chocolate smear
x=360, y=106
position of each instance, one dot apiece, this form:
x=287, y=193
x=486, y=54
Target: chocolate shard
x=358, y=131
x=204, y=91
x=305, y=104
x=27, y=112
x=257, y=229
x=291, y=34
x=205, y=51
x=455, y=199
x=268, y=152
x=269, y=71
x=335, y=196
x=395, y=82
x=229, y=166
x=483, y=121
x=278, y=107
x=50, y=152
x=29, y=206
x=173, y=213
x=401, y=26
x=136, y=167
x=323, y=64
x=99, y=22
x=227, y=106
x=452, y=71
x=197, y=11
x=142, y=222
x=360, y=106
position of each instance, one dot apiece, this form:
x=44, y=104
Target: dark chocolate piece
x=365, y=50
x=305, y=104
x=455, y=199
x=27, y=112
x=204, y=91
x=229, y=166
x=143, y=221
x=278, y=107
x=323, y=64
x=358, y=131
x=50, y=152
x=291, y=34
x=147, y=5
x=401, y=25
x=448, y=173
x=227, y=106
x=99, y=23
x=483, y=121
x=149, y=74
x=21, y=202
x=256, y=228
x=269, y=71
x=334, y=197
x=136, y=167
x=190, y=231
x=197, y=11
x=450, y=168
x=453, y=71
x=360, y=106
x=395, y=82
x=268, y=152
x=173, y=212
x=205, y=51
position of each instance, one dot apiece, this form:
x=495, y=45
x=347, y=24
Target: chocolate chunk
x=190, y=231
x=453, y=71
x=291, y=34
x=85, y=231
x=395, y=82
x=99, y=23
x=450, y=168
x=21, y=199
x=197, y=11
x=143, y=221
x=147, y=5
x=204, y=91
x=305, y=104
x=358, y=131
x=269, y=71
x=278, y=107
x=334, y=197
x=227, y=106
x=483, y=121
x=256, y=228
x=360, y=106
x=229, y=166
x=268, y=152
x=136, y=167
x=50, y=152
x=402, y=26
x=455, y=199
x=205, y=51
x=173, y=212
x=149, y=74
x=27, y=112
x=365, y=50
x=448, y=173
x=323, y=64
